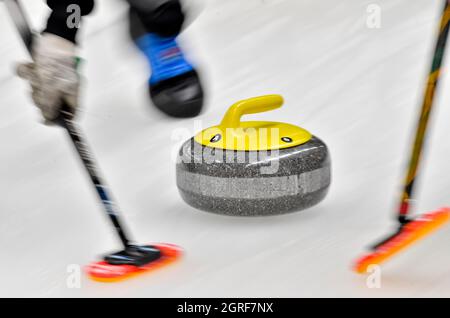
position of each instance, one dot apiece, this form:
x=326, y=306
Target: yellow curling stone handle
x=232, y=118
x=234, y=134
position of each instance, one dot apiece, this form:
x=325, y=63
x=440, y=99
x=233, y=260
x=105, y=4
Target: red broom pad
x=410, y=233
x=105, y=272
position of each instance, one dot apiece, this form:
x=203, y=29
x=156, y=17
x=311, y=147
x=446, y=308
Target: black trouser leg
x=164, y=17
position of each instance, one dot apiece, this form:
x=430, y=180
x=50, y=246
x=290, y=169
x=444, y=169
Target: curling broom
x=412, y=229
x=133, y=259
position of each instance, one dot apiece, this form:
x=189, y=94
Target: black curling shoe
x=180, y=96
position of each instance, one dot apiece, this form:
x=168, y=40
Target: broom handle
x=427, y=105
x=18, y=16
x=91, y=167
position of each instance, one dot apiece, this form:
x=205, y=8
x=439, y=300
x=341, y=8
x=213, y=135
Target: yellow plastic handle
x=232, y=118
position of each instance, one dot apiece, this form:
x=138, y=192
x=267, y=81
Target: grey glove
x=53, y=76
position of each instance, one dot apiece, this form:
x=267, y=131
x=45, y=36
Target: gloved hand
x=52, y=75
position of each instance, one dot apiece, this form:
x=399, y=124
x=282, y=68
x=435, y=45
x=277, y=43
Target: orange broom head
x=408, y=234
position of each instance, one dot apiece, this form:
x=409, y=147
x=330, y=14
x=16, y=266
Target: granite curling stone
x=253, y=168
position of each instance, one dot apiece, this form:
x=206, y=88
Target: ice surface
x=357, y=88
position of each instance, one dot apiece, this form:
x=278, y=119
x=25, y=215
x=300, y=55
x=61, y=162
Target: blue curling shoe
x=174, y=85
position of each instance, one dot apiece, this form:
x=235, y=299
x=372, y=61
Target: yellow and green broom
x=412, y=229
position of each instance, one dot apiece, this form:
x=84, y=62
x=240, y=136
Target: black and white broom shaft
x=427, y=106
x=92, y=170
x=74, y=132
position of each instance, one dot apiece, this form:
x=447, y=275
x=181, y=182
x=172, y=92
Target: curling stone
x=253, y=168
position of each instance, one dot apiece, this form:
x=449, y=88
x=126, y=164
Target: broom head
x=407, y=235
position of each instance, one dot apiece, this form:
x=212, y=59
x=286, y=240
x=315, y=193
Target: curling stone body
x=253, y=168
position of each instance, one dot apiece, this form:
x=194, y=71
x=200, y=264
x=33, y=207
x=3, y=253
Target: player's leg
x=174, y=83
